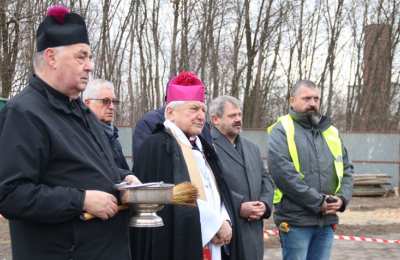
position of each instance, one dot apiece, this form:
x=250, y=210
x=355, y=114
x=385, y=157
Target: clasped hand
x=252, y=210
x=224, y=234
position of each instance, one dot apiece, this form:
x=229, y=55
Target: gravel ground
x=370, y=217
x=4, y=240
x=353, y=250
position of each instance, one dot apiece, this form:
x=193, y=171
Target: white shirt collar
x=180, y=135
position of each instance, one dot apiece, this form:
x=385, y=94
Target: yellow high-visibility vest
x=331, y=137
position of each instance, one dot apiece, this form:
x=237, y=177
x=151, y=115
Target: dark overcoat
x=52, y=149
x=112, y=135
x=248, y=180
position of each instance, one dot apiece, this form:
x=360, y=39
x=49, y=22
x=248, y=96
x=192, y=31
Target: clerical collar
x=181, y=137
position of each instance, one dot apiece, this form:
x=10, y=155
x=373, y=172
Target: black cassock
x=52, y=149
x=161, y=159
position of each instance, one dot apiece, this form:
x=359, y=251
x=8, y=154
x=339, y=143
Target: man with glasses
x=99, y=97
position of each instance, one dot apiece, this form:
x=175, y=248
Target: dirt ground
x=369, y=217
x=4, y=240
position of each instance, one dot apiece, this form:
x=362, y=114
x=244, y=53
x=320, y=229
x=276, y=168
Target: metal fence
x=370, y=152
x=2, y=102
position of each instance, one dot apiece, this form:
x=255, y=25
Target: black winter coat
x=112, y=135
x=52, y=149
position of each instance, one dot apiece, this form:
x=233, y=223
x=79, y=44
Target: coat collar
x=110, y=130
x=222, y=142
x=55, y=98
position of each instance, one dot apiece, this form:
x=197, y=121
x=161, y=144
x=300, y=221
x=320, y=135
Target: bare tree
x=10, y=34
x=253, y=50
x=184, y=47
x=237, y=42
x=173, y=68
x=335, y=25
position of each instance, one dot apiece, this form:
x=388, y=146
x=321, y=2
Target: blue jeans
x=307, y=243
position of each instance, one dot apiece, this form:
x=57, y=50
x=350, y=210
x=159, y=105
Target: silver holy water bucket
x=145, y=200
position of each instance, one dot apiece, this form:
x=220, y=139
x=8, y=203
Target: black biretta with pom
x=60, y=28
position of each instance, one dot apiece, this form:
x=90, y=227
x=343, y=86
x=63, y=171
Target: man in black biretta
x=56, y=162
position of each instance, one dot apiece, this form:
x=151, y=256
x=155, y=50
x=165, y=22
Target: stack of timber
x=371, y=184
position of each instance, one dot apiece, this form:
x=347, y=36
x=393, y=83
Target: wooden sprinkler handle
x=87, y=216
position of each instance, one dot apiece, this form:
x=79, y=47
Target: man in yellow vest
x=313, y=174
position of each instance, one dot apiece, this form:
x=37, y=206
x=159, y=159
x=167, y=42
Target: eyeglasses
x=107, y=101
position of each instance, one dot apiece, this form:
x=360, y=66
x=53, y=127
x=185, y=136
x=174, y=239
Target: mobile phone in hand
x=330, y=199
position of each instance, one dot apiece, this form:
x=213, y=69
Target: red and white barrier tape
x=367, y=239
x=275, y=232
x=272, y=232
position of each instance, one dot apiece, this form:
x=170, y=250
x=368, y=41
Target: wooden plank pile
x=371, y=184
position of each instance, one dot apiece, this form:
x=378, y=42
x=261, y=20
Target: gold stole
x=193, y=169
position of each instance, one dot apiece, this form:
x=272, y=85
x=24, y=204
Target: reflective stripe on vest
x=331, y=137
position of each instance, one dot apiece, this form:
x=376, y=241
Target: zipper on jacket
x=315, y=133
